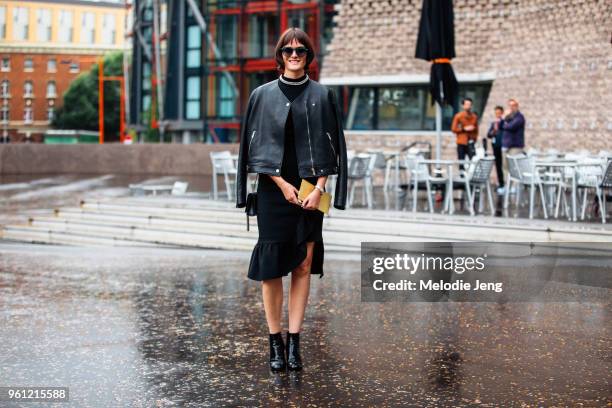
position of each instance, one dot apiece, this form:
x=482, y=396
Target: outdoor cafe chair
x=523, y=174
x=477, y=175
x=380, y=164
x=606, y=184
x=419, y=178
x=360, y=169
x=223, y=165
x=589, y=178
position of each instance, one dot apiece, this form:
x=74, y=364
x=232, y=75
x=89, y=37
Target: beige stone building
x=554, y=56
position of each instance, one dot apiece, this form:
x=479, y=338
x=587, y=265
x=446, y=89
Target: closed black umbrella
x=436, y=43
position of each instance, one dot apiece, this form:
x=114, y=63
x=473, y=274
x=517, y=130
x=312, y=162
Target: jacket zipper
x=251, y=141
x=331, y=144
x=309, y=145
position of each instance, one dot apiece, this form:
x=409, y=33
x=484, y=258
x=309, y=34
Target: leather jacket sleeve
x=241, y=176
x=340, y=193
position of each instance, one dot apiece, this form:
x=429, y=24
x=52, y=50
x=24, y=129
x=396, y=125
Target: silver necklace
x=284, y=81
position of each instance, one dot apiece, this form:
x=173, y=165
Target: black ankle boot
x=294, y=361
x=277, y=352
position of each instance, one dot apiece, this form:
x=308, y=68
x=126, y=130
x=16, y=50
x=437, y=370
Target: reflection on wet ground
x=172, y=327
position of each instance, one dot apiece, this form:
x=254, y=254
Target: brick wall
x=555, y=57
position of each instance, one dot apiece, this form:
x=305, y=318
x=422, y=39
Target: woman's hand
x=290, y=192
x=311, y=202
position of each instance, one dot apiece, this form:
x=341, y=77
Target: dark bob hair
x=286, y=38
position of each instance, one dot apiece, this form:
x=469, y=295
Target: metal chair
x=223, y=164
x=589, y=178
x=606, y=184
x=380, y=163
x=419, y=178
x=522, y=173
x=478, y=175
x=360, y=168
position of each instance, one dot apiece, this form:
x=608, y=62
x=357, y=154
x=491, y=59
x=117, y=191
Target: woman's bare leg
x=272, y=291
x=298, y=292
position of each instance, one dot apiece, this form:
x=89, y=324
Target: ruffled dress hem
x=274, y=259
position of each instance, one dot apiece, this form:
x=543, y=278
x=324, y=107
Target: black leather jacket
x=319, y=138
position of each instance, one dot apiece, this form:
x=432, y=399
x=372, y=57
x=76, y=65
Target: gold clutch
x=306, y=188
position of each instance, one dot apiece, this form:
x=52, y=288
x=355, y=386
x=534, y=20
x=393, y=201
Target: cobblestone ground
x=172, y=327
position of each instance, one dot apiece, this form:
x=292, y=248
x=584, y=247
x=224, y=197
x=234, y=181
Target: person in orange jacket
x=465, y=126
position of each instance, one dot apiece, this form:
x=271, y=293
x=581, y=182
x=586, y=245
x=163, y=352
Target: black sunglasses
x=300, y=51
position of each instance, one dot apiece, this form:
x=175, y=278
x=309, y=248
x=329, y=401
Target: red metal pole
x=101, y=99
x=121, y=111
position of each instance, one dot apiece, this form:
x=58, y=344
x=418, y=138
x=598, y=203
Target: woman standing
x=287, y=136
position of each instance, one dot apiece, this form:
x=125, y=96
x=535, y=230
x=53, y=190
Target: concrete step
x=43, y=236
x=200, y=234
x=370, y=222
x=233, y=224
x=71, y=233
x=204, y=223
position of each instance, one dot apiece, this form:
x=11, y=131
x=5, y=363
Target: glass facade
x=209, y=79
x=401, y=107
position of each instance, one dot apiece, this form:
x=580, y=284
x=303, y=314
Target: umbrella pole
x=438, y=131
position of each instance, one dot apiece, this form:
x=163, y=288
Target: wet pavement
x=139, y=327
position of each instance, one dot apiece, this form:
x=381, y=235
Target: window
x=361, y=108
x=52, y=65
x=28, y=65
x=403, y=107
x=88, y=28
x=146, y=88
x=20, y=23
x=74, y=67
x=28, y=89
x=261, y=36
x=108, y=29
x=43, y=24
x=192, y=103
x=146, y=76
x=4, y=114
x=6, y=64
x=2, y=22
x=27, y=115
x=5, y=90
x=227, y=97
x=50, y=114
x=194, y=42
x=51, y=90
x=225, y=38
x=65, y=26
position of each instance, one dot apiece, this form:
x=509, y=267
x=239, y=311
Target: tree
x=80, y=101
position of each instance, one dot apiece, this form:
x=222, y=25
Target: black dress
x=284, y=228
